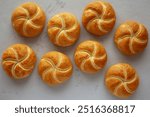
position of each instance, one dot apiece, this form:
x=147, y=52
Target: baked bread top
x=63, y=29
x=55, y=68
x=99, y=18
x=122, y=80
x=131, y=38
x=18, y=61
x=90, y=56
x=28, y=19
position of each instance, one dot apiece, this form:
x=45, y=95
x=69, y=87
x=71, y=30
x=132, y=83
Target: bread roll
x=55, y=68
x=99, y=18
x=90, y=56
x=63, y=29
x=121, y=80
x=28, y=19
x=131, y=38
x=18, y=61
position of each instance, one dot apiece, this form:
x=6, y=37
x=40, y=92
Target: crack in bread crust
x=26, y=11
x=15, y=53
x=99, y=21
x=101, y=57
x=141, y=41
x=57, y=36
x=100, y=27
x=83, y=64
x=104, y=10
x=33, y=25
x=20, y=18
x=130, y=30
x=24, y=28
x=25, y=69
x=95, y=66
x=36, y=14
x=29, y=22
x=55, y=77
x=62, y=21
x=131, y=46
x=127, y=88
x=115, y=77
x=18, y=63
x=116, y=89
x=73, y=27
x=120, y=39
x=93, y=11
x=122, y=79
x=59, y=60
x=61, y=31
x=53, y=74
x=85, y=51
x=125, y=72
x=13, y=72
x=67, y=36
x=56, y=67
x=139, y=30
x=133, y=79
x=46, y=72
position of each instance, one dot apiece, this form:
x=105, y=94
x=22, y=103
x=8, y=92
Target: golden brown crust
x=18, y=61
x=28, y=19
x=99, y=18
x=131, y=38
x=90, y=56
x=55, y=68
x=122, y=80
x=63, y=29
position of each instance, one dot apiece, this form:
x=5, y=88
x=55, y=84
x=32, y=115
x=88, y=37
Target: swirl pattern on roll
x=28, y=19
x=90, y=56
x=99, y=18
x=63, y=29
x=131, y=37
x=55, y=68
x=122, y=80
x=18, y=61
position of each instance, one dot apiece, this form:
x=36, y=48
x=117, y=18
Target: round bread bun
x=28, y=19
x=99, y=18
x=18, y=61
x=121, y=80
x=131, y=38
x=63, y=29
x=55, y=68
x=90, y=56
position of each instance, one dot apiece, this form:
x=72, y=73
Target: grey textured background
x=81, y=86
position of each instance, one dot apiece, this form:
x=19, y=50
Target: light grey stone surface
x=81, y=86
